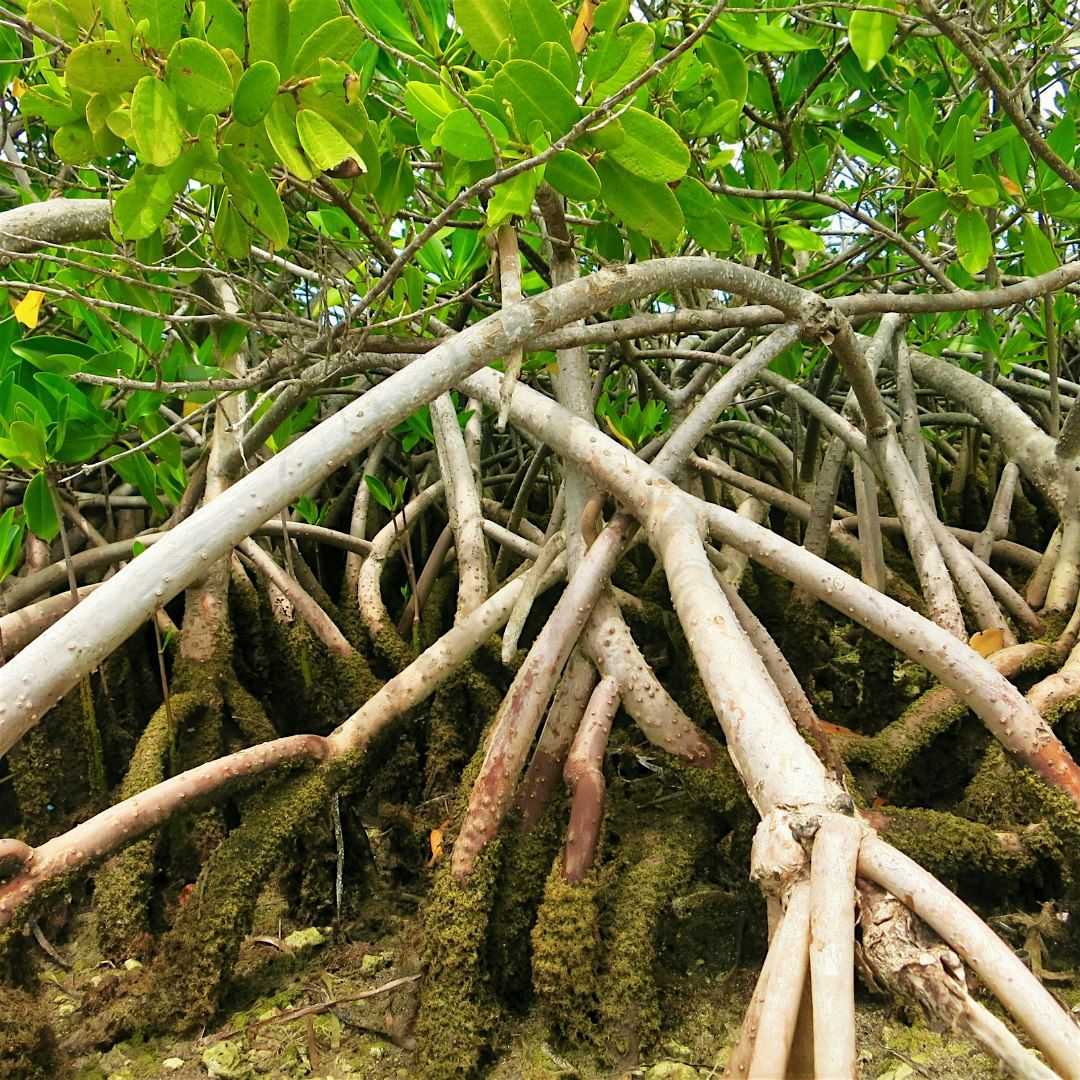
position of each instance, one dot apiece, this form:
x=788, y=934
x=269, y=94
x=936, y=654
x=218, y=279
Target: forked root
x=897, y=952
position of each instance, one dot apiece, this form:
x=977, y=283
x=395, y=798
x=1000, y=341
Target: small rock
x=305, y=939
x=131, y=964
x=678, y=1052
x=226, y=1061
x=672, y=1070
x=374, y=962
x=173, y=1063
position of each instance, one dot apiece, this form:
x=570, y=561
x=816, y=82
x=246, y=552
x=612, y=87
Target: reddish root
x=584, y=775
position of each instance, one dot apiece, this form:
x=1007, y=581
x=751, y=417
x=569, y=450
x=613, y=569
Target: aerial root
x=900, y=910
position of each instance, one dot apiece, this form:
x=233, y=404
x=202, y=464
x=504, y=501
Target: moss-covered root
x=184, y=984
x=661, y=861
x=27, y=1044
x=457, y=1011
x=566, y=955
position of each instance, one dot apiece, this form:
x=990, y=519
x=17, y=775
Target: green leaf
x=165, y=18
x=622, y=55
x=336, y=40
x=1039, y=255
x=461, y=134
x=759, y=35
x=324, y=145
x=974, y=245
x=563, y=65
x=379, y=492
x=871, y=33
x=731, y=74
x=268, y=31
x=147, y=198
x=485, y=24
x=650, y=208
x=268, y=214
x=428, y=105
x=255, y=93
x=926, y=209
x=799, y=238
x=651, y=150
x=102, y=67
x=571, y=175
x=281, y=130
x=38, y=507
x=155, y=123
x=199, y=76
x=29, y=439
x=530, y=93
x=11, y=538
x=514, y=198
x=704, y=221
x=964, y=150
x=534, y=23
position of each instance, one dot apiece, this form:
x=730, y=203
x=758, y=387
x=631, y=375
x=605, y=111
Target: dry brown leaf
x=989, y=641
x=584, y=25
x=436, y=841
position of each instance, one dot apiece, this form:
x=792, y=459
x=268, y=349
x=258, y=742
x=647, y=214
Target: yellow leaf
x=986, y=642
x=618, y=434
x=1010, y=186
x=18, y=88
x=436, y=841
x=28, y=309
x=584, y=25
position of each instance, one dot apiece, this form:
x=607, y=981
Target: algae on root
x=27, y=1042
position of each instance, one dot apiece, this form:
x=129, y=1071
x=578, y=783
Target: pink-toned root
x=135, y=817
x=1052, y=1030
x=584, y=775
x=556, y=738
x=783, y=994
x=832, y=948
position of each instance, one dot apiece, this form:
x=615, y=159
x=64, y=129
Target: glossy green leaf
x=199, y=77
x=268, y=31
x=38, y=507
x=255, y=93
x=652, y=150
x=649, y=208
x=103, y=67
x=141, y=208
x=485, y=24
x=155, y=123
x=1039, y=255
x=974, y=245
x=871, y=34
x=164, y=19
x=280, y=124
x=324, y=145
x=267, y=211
x=571, y=175
x=534, y=23
x=759, y=35
x=514, y=198
x=800, y=238
x=336, y=40
x=529, y=93
x=462, y=135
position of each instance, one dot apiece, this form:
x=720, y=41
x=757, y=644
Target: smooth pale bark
x=1031, y=1004
x=43, y=672
x=1002, y=708
x=462, y=505
x=361, y=507
x=832, y=945
x=783, y=994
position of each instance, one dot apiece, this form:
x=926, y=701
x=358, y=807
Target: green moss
x=27, y=1044
x=518, y=895
x=566, y=955
x=185, y=982
x=457, y=1011
x=951, y=847
x=122, y=886
x=660, y=862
